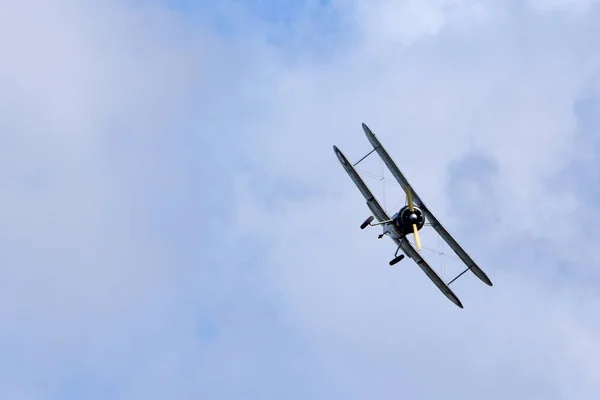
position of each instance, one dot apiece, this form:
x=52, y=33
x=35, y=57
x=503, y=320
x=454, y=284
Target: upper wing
x=460, y=252
x=372, y=202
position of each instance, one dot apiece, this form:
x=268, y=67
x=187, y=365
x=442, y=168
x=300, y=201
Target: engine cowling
x=405, y=218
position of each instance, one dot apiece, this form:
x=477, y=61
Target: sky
x=174, y=222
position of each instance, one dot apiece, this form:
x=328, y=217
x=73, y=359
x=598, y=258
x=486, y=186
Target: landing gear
x=397, y=258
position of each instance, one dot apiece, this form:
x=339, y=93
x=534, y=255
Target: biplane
x=408, y=220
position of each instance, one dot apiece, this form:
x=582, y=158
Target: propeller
x=414, y=218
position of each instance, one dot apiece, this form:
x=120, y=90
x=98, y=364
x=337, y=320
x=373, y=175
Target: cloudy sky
x=174, y=223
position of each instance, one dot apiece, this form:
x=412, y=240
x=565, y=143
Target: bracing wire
x=383, y=185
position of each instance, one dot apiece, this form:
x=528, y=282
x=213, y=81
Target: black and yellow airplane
x=408, y=220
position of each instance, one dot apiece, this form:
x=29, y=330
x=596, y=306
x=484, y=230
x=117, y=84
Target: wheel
x=367, y=222
x=397, y=259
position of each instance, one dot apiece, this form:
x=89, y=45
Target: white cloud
x=388, y=23
x=174, y=220
x=86, y=93
x=575, y=6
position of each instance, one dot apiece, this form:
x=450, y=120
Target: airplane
x=410, y=219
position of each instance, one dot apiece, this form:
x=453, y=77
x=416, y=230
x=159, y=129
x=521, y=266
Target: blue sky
x=175, y=224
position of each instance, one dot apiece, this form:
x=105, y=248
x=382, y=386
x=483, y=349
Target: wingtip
x=454, y=299
x=341, y=157
x=486, y=279
x=368, y=131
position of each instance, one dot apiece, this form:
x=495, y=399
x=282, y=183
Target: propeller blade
x=411, y=207
x=417, y=238
x=410, y=200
